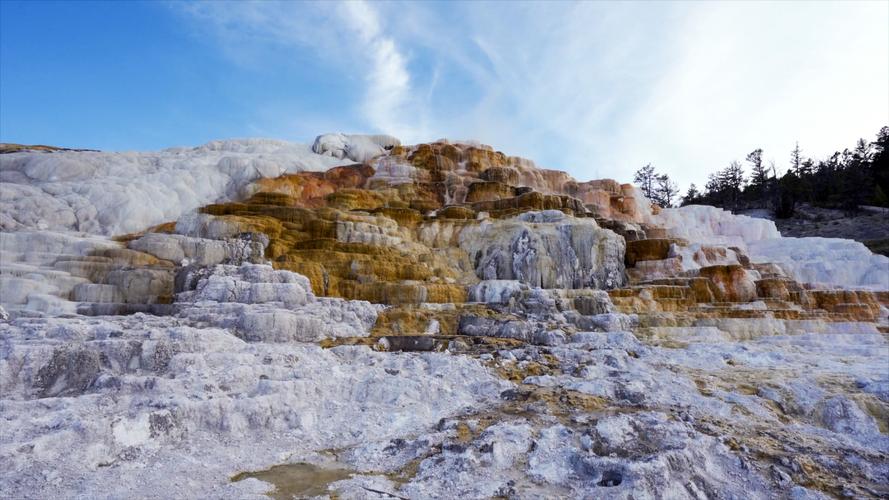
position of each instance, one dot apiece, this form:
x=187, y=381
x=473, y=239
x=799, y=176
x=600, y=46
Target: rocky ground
x=431, y=321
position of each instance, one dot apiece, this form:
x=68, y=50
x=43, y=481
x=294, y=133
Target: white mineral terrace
x=247, y=382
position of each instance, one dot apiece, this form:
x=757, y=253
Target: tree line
x=847, y=179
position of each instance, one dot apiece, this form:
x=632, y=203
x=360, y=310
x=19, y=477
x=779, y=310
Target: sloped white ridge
x=828, y=261
x=715, y=226
x=824, y=261
x=113, y=193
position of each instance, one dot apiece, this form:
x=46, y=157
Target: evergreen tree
x=732, y=181
x=713, y=189
x=824, y=186
x=802, y=169
x=758, y=174
x=863, y=152
x=807, y=167
x=796, y=160
x=880, y=166
x=847, y=179
x=645, y=178
x=857, y=186
x=665, y=191
x=692, y=196
x=788, y=187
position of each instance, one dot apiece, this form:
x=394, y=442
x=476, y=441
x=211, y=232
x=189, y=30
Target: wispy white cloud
x=349, y=36
x=748, y=75
x=388, y=93
x=596, y=88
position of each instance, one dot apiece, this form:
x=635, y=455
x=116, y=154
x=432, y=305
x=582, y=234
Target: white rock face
x=122, y=392
x=39, y=269
x=826, y=261
x=198, y=225
x=711, y=225
x=249, y=284
x=394, y=172
x=117, y=193
x=678, y=453
x=49, y=273
x=544, y=385
x=370, y=231
x=264, y=304
x=54, y=207
x=198, y=251
x=496, y=291
x=358, y=148
x=546, y=250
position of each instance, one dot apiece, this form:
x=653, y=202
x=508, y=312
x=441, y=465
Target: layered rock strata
x=366, y=319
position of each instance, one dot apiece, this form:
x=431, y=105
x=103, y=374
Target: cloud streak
x=595, y=88
x=348, y=37
x=388, y=91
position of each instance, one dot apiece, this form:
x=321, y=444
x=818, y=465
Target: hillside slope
x=869, y=226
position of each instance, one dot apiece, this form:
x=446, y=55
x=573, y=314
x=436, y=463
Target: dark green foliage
x=645, y=178
x=880, y=162
x=847, y=179
x=788, y=193
x=656, y=187
x=666, y=191
x=692, y=196
x=759, y=175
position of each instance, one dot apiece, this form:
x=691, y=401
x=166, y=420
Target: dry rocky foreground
x=364, y=319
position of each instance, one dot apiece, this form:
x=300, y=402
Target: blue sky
x=594, y=88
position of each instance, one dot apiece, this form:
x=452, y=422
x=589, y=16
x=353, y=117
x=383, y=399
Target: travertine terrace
x=364, y=319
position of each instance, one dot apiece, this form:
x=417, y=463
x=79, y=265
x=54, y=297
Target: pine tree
x=691, y=196
x=807, y=167
x=714, y=188
x=796, y=160
x=825, y=175
x=848, y=178
x=732, y=181
x=788, y=186
x=758, y=173
x=863, y=152
x=802, y=169
x=665, y=191
x=645, y=178
x=880, y=165
x=857, y=186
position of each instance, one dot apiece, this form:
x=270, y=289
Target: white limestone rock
x=711, y=225
x=117, y=193
x=825, y=261
x=200, y=251
x=496, y=291
x=247, y=284
x=546, y=250
x=394, y=171
x=695, y=256
x=355, y=147
x=100, y=406
x=39, y=271
x=268, y=305
x=142, y=286
x=200, y=225
x=232, y=379
x=370, y=230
